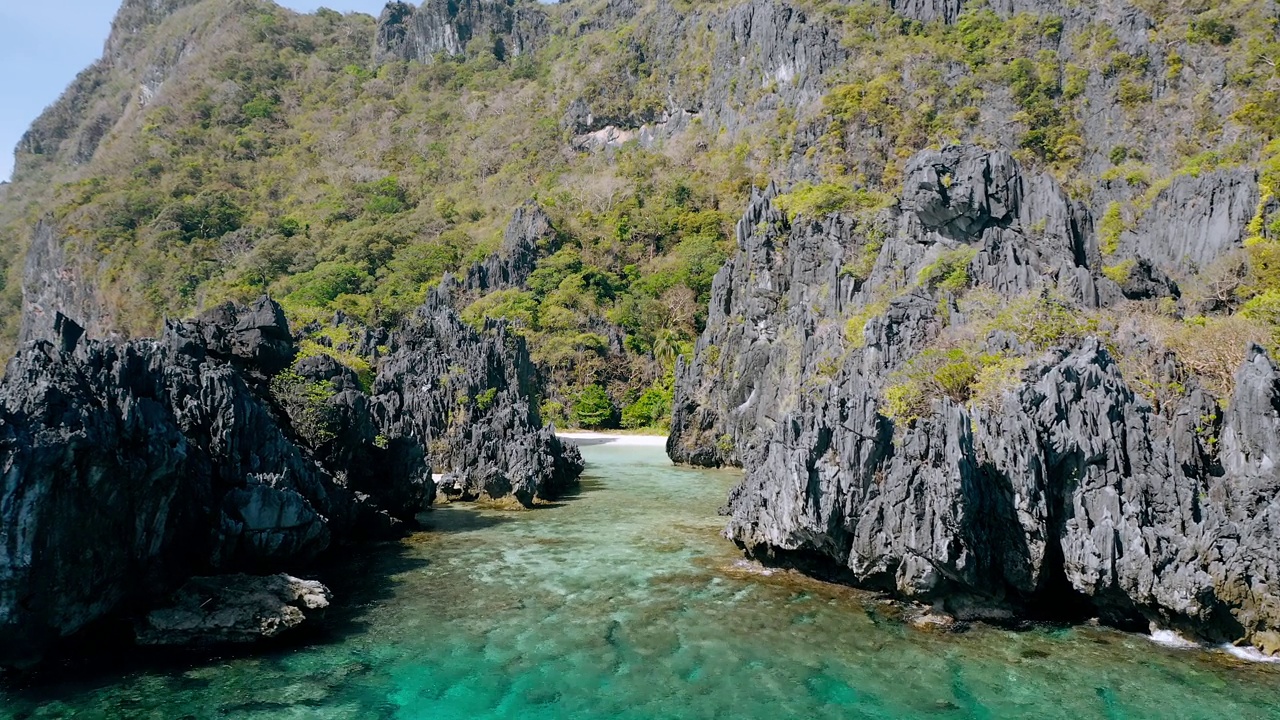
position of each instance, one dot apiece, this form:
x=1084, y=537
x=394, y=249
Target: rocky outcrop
x=234, y=610
x=1124, y=17
x=133, y=19
x=466, y=396
x=738, y=70
x=127, y=467
x=1073, y=498
x=528, y=237
x=591, y=134
x=53, y=284
x=1026, y=232
x=759, y=43
x=778, y=306
x=449, y=27
x=1194, y=221
x=1068, y=495
x=729, y=68
x=946, y=11
x=71, y=129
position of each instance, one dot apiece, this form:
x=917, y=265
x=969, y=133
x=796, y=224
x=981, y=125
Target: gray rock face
x=53, y=284
x=234, y=610
x=127, y=467
x=777, y=306
x=1073, y=496
x=465, y=396
x=929, y=10
x=742, y=48
x=948, y=11
x=1194, y=221
x=756, y=43
x=961, y=194
x=524, y=242
x=736, y=68
x=447, y=27
x=1026, y=232
x=1069, y=497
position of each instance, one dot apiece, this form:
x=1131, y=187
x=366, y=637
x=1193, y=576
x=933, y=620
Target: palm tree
x=666, y=345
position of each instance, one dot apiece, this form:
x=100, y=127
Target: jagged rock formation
x=466, y=396
x=708, y=65
x=739, y=88
x=529, y=237
x=735, y=67
x=1026, y=233
x=234, y=610
x=1071, y=495
x=948, y=11
x=128, y=467
x=447, y=27
x=1194, y=221
x=525, y=240
x=929, y=10
x=53, y=284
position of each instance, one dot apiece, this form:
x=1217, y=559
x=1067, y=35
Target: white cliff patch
x=613, y=136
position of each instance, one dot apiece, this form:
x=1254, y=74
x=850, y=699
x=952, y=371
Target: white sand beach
x=593, y=438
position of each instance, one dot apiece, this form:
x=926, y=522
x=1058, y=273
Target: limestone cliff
x=448, y=27
x=129, y=467
x=468, y=397
x=1068, y=491
x=54, y=283
x=128, y=75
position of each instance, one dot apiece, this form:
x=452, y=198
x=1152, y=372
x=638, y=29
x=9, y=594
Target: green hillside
x=230, y=148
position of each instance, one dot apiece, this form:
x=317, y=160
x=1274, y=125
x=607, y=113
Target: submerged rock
x=234, y=609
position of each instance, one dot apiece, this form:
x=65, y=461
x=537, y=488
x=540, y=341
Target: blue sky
x=43, y=44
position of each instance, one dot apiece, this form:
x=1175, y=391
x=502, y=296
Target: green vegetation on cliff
x=262, y=150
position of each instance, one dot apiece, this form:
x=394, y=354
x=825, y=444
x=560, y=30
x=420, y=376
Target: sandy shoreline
x=591, y=438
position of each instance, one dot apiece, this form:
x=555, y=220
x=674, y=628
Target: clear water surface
x=624, y=602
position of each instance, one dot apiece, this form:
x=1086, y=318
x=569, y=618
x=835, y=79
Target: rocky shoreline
x=1066, y=493
x=130, y=468
x=948, y=396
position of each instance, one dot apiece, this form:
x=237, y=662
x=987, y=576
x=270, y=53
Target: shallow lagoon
x=624, y=602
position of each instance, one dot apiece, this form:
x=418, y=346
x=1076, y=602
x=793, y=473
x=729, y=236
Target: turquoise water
x=624, y=602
